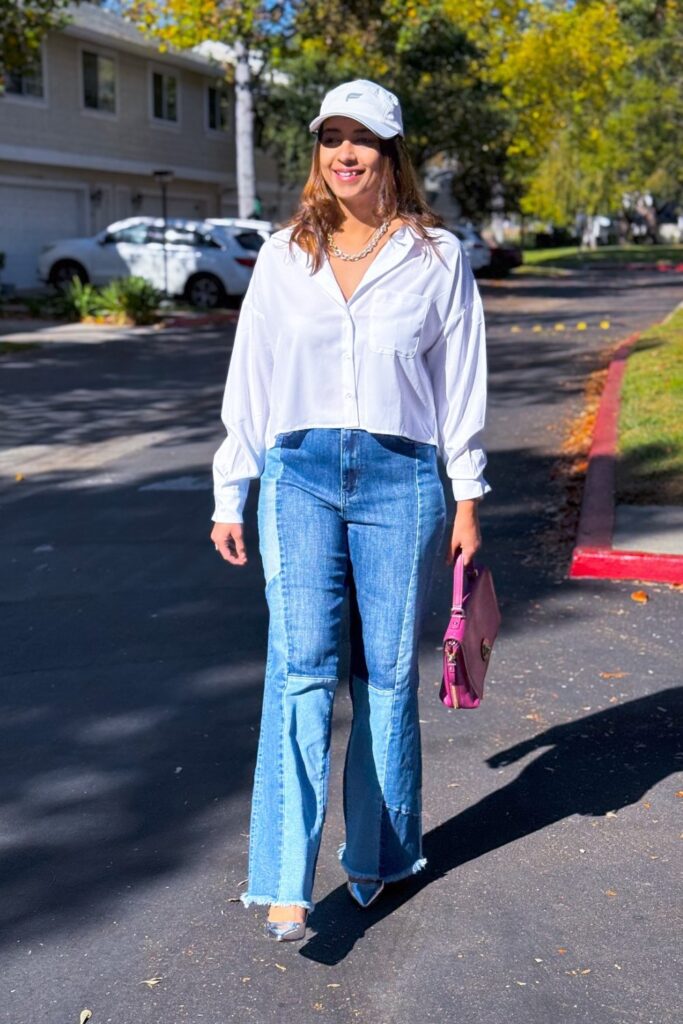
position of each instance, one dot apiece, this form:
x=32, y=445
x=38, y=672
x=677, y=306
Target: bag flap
x=483, y=623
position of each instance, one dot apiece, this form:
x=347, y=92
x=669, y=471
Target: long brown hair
x=400, y=195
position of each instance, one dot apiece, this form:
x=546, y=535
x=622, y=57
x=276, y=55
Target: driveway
x=132, y=661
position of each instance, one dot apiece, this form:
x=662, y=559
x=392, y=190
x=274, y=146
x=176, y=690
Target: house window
x=27, y=82
x=99, y=82
x=219, y=108
x=165, y=96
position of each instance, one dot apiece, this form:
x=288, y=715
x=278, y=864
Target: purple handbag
x=469, y=638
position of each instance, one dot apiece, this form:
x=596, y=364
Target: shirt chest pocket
x=396, y=321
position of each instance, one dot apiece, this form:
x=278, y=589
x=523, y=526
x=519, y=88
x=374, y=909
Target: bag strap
x=458, y=585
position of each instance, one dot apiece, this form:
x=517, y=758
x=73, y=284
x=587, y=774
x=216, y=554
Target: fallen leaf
x=611, y=892
x=586, y=970
x=611, y=814
x=150, y=982
x=520, y=983
x=18, y=477
x=85, y=1015
x=334, y=984
x=280, y=967
x=679, y=792
x=561, y=949
x=640, y=597
x=248, y=978
x=613, y=675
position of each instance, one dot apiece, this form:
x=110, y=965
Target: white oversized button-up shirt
x=405, y=355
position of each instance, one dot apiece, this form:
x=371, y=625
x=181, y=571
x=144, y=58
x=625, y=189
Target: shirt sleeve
x=457, y=367
x=245, y=412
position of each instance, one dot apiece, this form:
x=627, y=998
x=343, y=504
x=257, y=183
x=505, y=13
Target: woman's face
x=350, y=160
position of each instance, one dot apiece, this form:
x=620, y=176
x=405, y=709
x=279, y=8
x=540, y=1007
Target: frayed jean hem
x=418, y=865
x=247, y=899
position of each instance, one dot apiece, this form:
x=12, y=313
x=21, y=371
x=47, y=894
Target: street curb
x=206, y=320
x=593, y=556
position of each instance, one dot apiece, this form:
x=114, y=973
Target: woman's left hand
x=466, y=535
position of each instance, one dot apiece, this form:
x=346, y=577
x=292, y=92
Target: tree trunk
x=244, y=132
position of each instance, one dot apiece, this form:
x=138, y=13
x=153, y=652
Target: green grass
x=569, y=257
x=650, y=463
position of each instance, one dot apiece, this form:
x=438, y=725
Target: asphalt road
x=132, y=663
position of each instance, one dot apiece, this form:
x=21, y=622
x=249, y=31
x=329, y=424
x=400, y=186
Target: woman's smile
x=344, y=174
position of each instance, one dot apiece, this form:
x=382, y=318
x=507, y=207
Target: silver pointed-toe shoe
x=286, y=931
x=365, y=890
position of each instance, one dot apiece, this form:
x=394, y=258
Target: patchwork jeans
x=339, y=509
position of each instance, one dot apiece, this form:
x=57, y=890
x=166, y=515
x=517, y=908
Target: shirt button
x=348, y=395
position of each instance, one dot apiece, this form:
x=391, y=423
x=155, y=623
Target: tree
x=247, y=29
x=23, y=23
x=417, y=51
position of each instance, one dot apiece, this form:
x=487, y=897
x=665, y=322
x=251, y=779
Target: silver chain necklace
x=353, y=257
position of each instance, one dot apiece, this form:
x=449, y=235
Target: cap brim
x=375, y=127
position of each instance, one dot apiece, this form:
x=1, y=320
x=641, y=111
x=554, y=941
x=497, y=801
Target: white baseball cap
x=366, y=102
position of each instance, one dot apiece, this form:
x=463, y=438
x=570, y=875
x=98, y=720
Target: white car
x=476, y=249
x=205, y=263
x=264, y=228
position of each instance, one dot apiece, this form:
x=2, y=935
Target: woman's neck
x=358, y=223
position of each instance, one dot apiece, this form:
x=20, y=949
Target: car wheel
x=63, y=273
x=205, y=291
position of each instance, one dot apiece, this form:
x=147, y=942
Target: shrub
x=78, y=300
x=131, y=297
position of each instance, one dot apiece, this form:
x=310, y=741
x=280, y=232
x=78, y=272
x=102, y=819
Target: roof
x=105, y=28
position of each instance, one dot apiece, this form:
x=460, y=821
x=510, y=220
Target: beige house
x=83, y=131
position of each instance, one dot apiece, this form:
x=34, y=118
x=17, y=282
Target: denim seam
x=401, y=647
x=287, y=631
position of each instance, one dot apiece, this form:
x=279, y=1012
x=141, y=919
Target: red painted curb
x=593, y=556
x=612, y=564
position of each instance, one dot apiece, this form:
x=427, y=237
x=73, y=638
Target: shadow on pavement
x=596, y=764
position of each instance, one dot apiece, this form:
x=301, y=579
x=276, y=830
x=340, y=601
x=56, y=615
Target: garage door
x=30, y=217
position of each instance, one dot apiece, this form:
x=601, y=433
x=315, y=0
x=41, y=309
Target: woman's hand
x=466, y=535
x=229, y=541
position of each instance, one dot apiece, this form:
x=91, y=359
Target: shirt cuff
x=463, y=490
x=230, y=501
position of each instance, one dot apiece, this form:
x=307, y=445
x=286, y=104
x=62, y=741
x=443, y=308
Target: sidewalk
x=31, y=332
x=618, y=541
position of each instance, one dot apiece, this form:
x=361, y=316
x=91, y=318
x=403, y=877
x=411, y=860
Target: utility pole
x=164, y=177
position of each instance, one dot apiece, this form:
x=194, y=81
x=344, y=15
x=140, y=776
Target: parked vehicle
x=476, y=249
x=264, y=228
x=504, y=258
x=205, y=263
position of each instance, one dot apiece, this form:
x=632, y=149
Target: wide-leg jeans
x=339, y=509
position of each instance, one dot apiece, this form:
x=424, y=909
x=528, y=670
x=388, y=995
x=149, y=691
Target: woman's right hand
x=228, y=539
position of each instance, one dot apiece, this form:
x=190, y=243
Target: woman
x=359, y=353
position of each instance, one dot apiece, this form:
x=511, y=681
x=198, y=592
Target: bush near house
x=126, y=300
